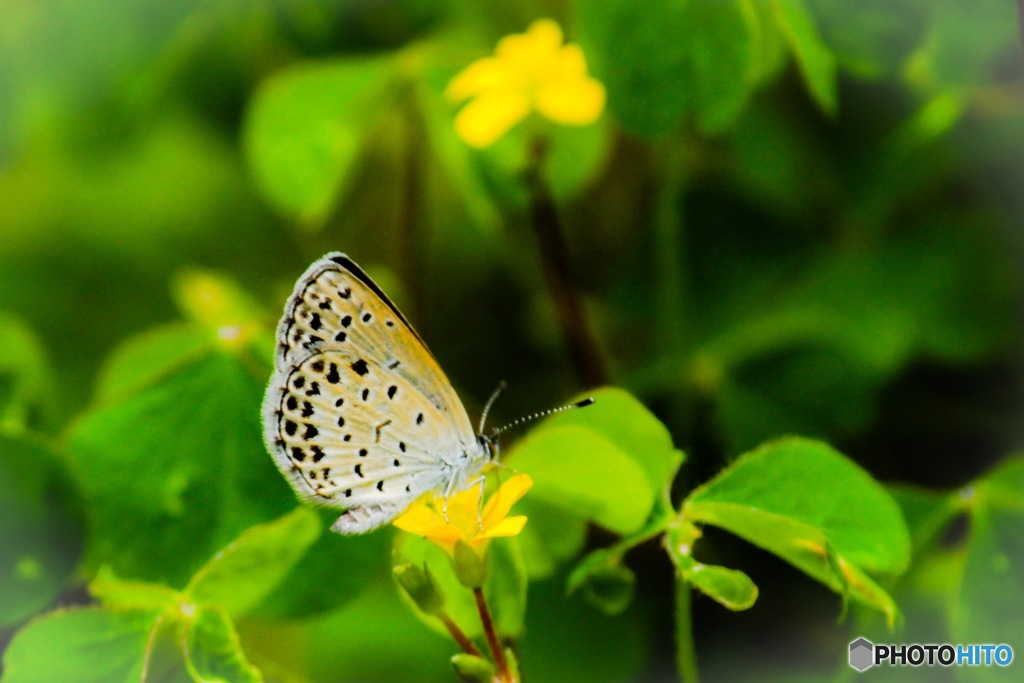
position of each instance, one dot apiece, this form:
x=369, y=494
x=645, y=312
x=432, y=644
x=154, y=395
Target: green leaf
x=721, y=40
x=305, y=129
x=213, y=653
x=551, y=536
x=994, y=569
x=873, y=37
x=315, y=585
x=642, y=58
x=817, y=63
x=185, y=456
x=582, y=471
x=125, y=594
x=620, y=418
x=969, y=41
x=604, y=581
x=25, y=376
x=808, y=504
x=729, y=587
x=506, y=587
x=927, y=513
x=241, y=575
x=40, y=535
x=454, y=157
x=670, y=58
x=145, y=359
x=83, y=645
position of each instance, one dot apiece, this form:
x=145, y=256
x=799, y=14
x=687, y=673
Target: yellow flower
x=465, y=521
x=532, y=71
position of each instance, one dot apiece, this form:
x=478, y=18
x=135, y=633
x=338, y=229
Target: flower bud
x=470, y=568
x=419, y=584
x=473, y=669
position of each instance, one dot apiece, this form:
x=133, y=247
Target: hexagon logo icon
x=862, y=654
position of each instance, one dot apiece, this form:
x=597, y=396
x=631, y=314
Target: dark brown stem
x=492, y=636
x=467, y=645
x=577, y=333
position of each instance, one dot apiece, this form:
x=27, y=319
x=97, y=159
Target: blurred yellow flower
x=465, y=521
x=532, y=71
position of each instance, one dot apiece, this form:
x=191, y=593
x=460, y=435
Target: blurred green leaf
x=125, y=594
x=506, y=587
x=314, y=585
x=454, y=157
x=39, y=529
x=88, y=645
x=212, y=649
x=185, y=455
x=567, y=639
x=579, y=469
x=375, y=637
x=25, y=376
x=968, y=42
x=721, y=39
x=984, y=611
x=642, y=59
x=873, y=37
x=927, y=513
x=604, y=580
x=146, y=358
x=670, y=58
x=552, y=536
x=812, y=356
x=814, y=508
x=238, y=577
x=816, y=61
x=305, y=130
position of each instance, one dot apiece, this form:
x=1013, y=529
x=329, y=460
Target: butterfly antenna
x=544, y=413
x=490, y=402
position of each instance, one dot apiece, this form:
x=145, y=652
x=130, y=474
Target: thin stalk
x=577, y=333
x=467, y=645
x=686, y=653
x=492, y=636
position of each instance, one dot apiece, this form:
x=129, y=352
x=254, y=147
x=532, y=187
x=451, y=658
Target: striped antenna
x=536, y=416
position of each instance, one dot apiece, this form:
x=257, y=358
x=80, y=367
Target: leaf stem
x=492, y=636
x=577, y=333
x=467, y=645
x=686, y=653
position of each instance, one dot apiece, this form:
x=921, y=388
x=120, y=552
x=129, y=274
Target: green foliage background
x=796, y=217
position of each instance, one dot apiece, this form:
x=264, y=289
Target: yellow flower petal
x=479, y=77
x=573, y=102
x=569, y=63
x=418, y=519
x=489, y=116
x=507, y=495
x=541, y=40
x=510, y=526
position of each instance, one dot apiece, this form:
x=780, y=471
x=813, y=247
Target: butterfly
x=358, y=415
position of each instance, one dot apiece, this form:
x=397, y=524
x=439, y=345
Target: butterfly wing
x=358, y=414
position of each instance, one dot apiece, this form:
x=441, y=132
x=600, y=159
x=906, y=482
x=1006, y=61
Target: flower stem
x=467, y=645
x=686, y=653
x=577, y=332
x=492, y=636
